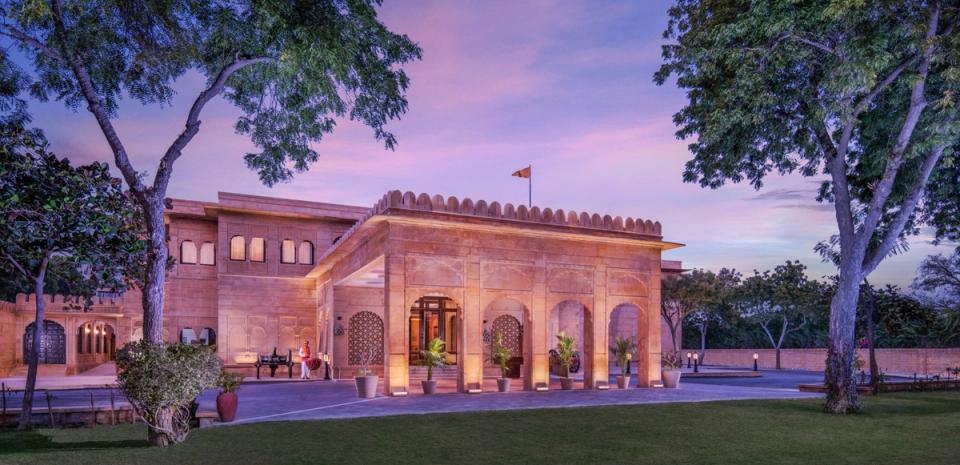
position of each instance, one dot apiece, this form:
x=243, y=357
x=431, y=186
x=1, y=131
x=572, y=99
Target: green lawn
x=894, y=429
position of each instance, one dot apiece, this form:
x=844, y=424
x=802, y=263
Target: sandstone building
x=375, y=284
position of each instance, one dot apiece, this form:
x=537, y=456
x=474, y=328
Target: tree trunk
x=154, y=274
x=839, y=376
x=157, y=436
x=778, y=357
x=26, y=409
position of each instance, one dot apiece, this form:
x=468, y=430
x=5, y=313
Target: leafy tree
x=719, y=306
x=939, y=275
x=863, y=92
x=79, y=217
x=291, y=68
x=682, y=295
x=778, y=301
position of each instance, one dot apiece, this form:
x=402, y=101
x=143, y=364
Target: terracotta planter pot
x=566, y=384
x=671, y=378
x=429, y=387
x=367, y=386
x=623, y=382
x=503, y=384
x=227, y=406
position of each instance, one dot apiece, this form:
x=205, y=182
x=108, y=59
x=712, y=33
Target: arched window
x=188, y=335
x=305, y=256
x=208, y=337
x=288, y=251
x=89, y=332
x=238, y=248
x=208, y=254
x=188, y=252
x=258, y=250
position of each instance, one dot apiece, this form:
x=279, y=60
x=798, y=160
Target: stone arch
x=512, y=316
x=53, y=343
x=365, y=334
x=624, y=322
x=574, y=318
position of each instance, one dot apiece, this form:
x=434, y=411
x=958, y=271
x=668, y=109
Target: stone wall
x=903, y=361
x=8, y=338
x=257, y=314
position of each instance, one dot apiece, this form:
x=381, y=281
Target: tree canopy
x=859, y=94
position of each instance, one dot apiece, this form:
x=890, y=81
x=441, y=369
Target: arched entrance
x=435, y=316
x=53, y=343
x=624, y=323
x=573, y=318
x=509, y=317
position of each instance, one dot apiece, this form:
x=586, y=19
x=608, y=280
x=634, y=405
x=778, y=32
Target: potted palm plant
x=670, y=364
x=366, y=378
x=433, y=356
x=227, y=398
x=565, y=351
x=623, y=348
x=500, y=355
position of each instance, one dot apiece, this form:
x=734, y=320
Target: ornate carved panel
x=365, y=334
x=512, y=333
x=623, y=282
x=571, y=280
x=506, y=276
x=434, y=271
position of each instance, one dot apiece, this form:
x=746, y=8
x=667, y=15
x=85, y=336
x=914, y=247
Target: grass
x=893, y=429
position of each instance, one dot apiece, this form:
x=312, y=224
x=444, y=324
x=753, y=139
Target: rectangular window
x=208, y=255
x=258, y=250
x=305, y=255
x=288, y=252
x=238, y=248
x=188, y=252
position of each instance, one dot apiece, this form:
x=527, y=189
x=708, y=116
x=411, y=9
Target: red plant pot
x=227, y=406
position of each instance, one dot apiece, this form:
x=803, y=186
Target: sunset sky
x=566, y=86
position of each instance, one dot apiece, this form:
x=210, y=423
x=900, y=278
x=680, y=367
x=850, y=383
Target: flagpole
x=530, y=190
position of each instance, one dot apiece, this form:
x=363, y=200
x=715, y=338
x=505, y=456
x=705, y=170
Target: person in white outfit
x=305, y=360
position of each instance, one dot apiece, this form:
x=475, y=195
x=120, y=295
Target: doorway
x=433, y=317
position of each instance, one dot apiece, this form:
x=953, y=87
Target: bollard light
x=756, y=357
x=688, y=359
x=696, y=362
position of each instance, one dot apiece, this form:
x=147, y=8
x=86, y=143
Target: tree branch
x=18, y=266
x=917, y=103
x=95, y=106
x=16, y=34
x=192, y=125
x=873, y=259
x=814, y=44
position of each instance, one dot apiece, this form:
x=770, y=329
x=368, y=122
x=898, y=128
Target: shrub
x=671, y=360
x=565, y=352
x=500, y=354
x=161, y=380
x=229, y=381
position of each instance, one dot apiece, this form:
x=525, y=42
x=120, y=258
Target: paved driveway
x=328, y=399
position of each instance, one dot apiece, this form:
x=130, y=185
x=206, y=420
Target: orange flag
x=524, y=173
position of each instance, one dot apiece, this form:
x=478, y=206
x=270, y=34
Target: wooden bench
x=207, y=417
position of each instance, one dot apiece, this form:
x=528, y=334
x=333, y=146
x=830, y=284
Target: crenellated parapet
x=398, y=201
x=481, y=208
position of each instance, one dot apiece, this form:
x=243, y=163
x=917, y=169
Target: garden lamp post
x=696, y=362
x=688, y=360
x=756, y=356
x=326, y=366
